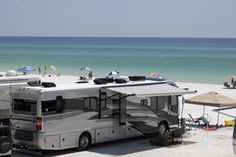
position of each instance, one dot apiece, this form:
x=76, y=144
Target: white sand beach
x=197, y=142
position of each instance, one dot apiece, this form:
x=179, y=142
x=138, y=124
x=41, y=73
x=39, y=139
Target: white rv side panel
x=115, y=133
x=68, y=140
x=52, y=142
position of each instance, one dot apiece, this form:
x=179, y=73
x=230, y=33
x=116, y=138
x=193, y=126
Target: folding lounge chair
x=205, y=121
x=195, y=121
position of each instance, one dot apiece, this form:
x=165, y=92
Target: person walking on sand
x=90, y=75
x=45, y=70
x=39, y=70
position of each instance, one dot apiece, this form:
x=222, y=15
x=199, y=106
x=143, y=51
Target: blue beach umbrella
x=26, y=69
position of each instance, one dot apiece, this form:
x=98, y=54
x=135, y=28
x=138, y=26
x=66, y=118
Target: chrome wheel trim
x=84, y=142
x=162, y=128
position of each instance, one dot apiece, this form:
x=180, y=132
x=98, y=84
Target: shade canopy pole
x=218, y=118
x=182, y=111
x=204, y=108
x=99, y=104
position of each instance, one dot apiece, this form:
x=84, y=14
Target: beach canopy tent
x=212, y=99
x=150, y=90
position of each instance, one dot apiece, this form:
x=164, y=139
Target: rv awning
x=150, y=90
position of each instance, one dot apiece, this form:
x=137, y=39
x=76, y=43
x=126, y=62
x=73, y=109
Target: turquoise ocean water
x=179, y=59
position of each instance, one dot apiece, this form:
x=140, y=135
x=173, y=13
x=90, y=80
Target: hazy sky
x=142, y=18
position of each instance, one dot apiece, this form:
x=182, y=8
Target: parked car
x=5, y=141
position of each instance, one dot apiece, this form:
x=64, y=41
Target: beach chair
x=195, y=121
x=227, y=85
x=205, y=121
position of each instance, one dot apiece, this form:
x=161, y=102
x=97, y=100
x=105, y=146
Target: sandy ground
x=197, y=142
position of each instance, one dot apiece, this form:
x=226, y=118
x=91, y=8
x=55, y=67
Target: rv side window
x=153, y=103
x=161, y=101
x=23, y=106
x=90, y=104
x=49, y=107
x=174, y=104
x=114, y=106
x=174, y=100
x=144, y=102
x=74, y=104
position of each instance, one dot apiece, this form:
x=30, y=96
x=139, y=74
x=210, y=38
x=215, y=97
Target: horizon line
x=116, y=37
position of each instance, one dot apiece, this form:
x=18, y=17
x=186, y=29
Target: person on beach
x=90, y=75
x=45, y=70
x=39, y=70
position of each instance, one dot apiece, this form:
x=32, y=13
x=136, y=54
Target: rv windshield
x=23, y=106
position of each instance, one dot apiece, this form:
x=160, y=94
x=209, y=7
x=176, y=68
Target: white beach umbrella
x=85, y=69
x=112, y=73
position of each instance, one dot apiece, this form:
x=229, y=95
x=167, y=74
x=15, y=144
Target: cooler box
x=229, y=122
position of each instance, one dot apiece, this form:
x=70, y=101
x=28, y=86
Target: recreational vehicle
x=77, y=115
x=8, y=83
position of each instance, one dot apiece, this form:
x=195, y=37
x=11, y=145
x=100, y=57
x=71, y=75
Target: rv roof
x=18, y=79
x=74, y=86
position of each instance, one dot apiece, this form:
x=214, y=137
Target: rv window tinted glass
x=161, y=102
x=144, y=102
x=90, y=104
x=24, y=106
x=49, y=107
x=153, y=103
x=74, y=104
x=174, y=100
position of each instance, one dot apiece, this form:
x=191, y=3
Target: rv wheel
x=162, y=127
x=84, y=142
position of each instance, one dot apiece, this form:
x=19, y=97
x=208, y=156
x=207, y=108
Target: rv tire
x=84, y=141
x=162, y=127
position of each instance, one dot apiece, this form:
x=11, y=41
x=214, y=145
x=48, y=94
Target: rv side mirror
x=59, y=104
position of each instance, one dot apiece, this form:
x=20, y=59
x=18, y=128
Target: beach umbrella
x=212, y=99
x=26, y=69
x=231, y=76
x=53, y=67
x=155, y=74
x=85, y=69
x=113, y=73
